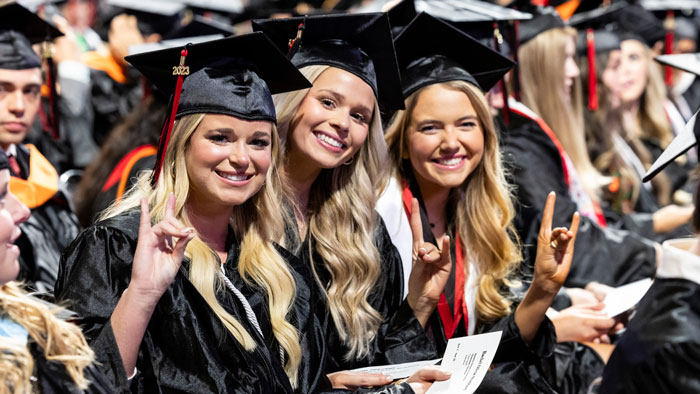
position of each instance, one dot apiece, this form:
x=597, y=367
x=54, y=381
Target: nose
x=20, y=213
x=450, y=142
x=238, y=156
x=340, y=120
x=15, y=102
x=572, y=70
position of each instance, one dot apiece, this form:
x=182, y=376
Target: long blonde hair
x=482, y=205
x=256, y=222
x=61, y=341
x=541, y=63
x=342, y=226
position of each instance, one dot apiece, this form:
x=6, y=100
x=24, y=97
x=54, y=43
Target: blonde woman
x=541, y=159
x=39, y=351
x=447, y=171
x=203, y=302
x=335, y=156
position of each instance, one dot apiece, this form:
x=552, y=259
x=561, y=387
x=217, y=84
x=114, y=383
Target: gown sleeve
x=613, y=257
x=94, y=272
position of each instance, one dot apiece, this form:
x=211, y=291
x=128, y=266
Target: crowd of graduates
x=264, y=196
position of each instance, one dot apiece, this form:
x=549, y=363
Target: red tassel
x=516, y=70
x=592, y=74
x=181, y=71
x=497, y=40
x=670, y=26
x=53, y=100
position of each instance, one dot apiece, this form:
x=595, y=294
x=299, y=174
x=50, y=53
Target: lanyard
x=450, y=320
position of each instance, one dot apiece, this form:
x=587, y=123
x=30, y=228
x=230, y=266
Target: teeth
x=330, y=141
x=451, y=162
x=233, y=177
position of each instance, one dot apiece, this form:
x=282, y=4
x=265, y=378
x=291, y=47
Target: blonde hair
x=342, y=226
x=482, y=206
x=256, y=222
x=61, y=341
x=541, y=63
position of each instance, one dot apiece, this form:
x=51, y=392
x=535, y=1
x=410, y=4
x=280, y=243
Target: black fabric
x=358, y=43
x=111, y=101
x=105, y=198
x=400, y=338
x=231, y=76
x=660, y=350
x=431, y=51
x=52, y=378
x=49, y=229
x=19, y=29
x=530, y=29
x=16, y=52
x=185, y=348
x=4, y=164
x=609, y=256
x=603, y=41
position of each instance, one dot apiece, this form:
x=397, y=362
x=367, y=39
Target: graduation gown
x=659, y=352
x=51, y=227
x=400, y=337
x=607, y=255
x=185, y=349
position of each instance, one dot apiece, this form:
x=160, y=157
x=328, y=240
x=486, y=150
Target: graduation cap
x=226, y=6
x=358, y=43
x=670, y=5
x=232, y=76
x=19, y=29
x=201, y=26
x=153, y=16
x=400, y=15
x=432, y=51
x=547, y=20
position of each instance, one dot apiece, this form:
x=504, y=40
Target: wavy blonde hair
x=342, y=225
x=256, y=222
x=482, y=206
x=541, y=63
x=61, y=341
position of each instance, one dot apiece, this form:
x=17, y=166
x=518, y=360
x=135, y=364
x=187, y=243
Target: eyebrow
x=256, y=134
x=466, y=117
x=259, y=134
x=29, y=85
x=341, y=97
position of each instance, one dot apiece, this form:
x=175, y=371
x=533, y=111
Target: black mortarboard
x=603, y=41
x=432, y=51
x=400, y=15
x=226, y=6
x=547, y=20
x=636, y=23
x=232, y=76
x=201, y=26
x=19, y=29
x=358, y=43
x=690, y=135
x=685, y=28
x=153, y=16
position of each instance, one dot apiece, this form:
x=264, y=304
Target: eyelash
x=329, y=103
x=221, y=139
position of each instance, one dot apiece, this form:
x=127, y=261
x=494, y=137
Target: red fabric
x=592, y=74
x=116, y=174
x=668, y=45
x=450, y=320
x=14, y=166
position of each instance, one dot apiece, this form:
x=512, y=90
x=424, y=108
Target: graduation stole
x=121, y=172
x=597, y=214
x=41, y=183
x=450, y=319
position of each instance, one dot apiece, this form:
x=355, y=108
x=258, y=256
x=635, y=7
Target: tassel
x=670, y=26
x=592, y=74
x=181, y=71
x=516, y=69
x=497, y=41
x=53, y=97
x=295, y=43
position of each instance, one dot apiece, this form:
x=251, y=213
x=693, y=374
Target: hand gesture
x=123, y=33
x=159, y=252
x=584, y=323
x=555, y=250
x=431, y=269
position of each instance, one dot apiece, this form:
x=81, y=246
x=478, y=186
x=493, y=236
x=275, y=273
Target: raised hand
x=159, y=252
x=555, y=250
x=431, y=269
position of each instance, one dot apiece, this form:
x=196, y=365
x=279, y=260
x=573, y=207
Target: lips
x=329, y=141
x=234, y=179
x=450, y=163
x=14, y=126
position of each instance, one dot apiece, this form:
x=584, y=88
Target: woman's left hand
x=431, y=269
x=555, y=250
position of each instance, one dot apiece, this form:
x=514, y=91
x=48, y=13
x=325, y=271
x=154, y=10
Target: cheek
x=262, y=160
x=359, y=135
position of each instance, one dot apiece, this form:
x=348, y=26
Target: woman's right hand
x=582, y=324
x=159, y=252
x=421, y=381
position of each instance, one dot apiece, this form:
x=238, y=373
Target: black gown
x=660, y=350
x=185, y=349
x=183, y=324
x=400, y=338
x=613, y=257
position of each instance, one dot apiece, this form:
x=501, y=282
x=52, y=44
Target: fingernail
x=422, y=250
x=188, y=230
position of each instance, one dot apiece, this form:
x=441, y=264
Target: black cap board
x=547, y=20
x=603, y=40
x=432, y=51
x=636, y=23
x=685, y=28
x=153, y=16
x=471, y=11
x=670, y=5
x=689, y=62
x=232, y=76
x=358, y=43
x=201, y=26
x=19, y=29
x=400, y=15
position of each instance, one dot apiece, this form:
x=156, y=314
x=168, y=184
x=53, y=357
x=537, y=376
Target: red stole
x=450, y=320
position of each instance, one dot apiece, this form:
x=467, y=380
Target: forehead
x=441, y=101
x=218, y=121
x=30, y=76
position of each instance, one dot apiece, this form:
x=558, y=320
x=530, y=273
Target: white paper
x=468, y=358
x=399, y=371
x=623, y=298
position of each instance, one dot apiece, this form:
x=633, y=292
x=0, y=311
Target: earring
x=347, y=163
